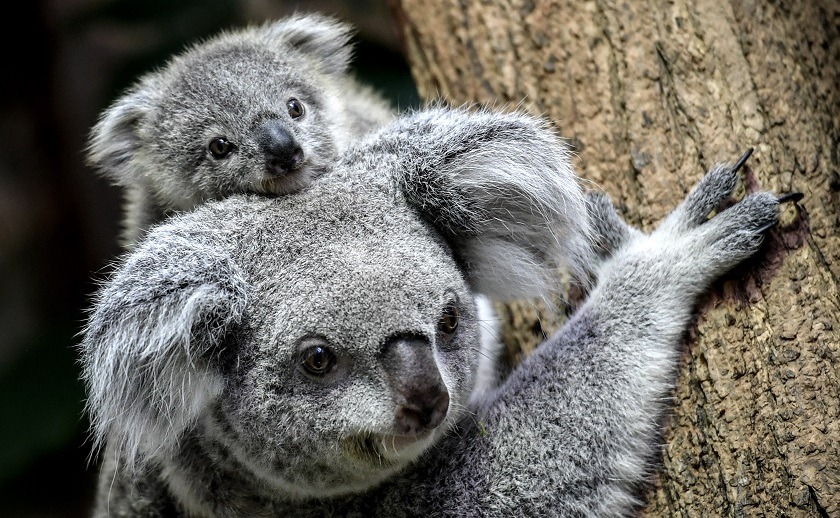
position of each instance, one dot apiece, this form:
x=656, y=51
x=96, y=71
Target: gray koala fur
x=155, y=139
x=196, y=352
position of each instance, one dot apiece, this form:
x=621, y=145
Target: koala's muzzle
x=283, y=153
x=421, y=396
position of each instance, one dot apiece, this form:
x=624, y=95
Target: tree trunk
x=651, y=94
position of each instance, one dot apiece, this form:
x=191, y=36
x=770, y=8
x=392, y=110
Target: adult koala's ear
x=326, y=39
x=151, y=346
x=115, y=139
x=501, y=189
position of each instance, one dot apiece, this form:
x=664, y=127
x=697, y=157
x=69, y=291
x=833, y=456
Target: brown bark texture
x=651, y=94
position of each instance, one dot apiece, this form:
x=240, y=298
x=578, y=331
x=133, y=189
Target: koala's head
x=324, y=340
x=248, y=111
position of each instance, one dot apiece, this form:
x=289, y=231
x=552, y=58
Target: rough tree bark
x=651, y=94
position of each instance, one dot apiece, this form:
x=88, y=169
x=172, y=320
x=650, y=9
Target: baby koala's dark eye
x=220, y=147
x=295, y=108
x=448, y=323
x=318, y=361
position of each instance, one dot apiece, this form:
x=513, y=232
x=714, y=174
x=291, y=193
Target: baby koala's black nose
x=283, y=153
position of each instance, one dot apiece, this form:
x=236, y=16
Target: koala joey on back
x=263, y=109
x=314, y=354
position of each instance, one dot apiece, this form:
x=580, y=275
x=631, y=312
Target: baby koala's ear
x=150, y=349
x=501, y=189
x=325, y=39
x=115, y=139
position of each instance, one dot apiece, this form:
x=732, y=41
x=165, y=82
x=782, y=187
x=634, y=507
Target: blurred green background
x=64, y=62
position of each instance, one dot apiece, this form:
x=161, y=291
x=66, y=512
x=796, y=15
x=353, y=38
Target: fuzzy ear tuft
x=152, y=339
x=501, y=189
x=115, y=139
x=324, y=38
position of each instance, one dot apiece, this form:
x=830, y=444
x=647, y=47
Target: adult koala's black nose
x=421, y=396
x=283, y=153
x=422, y=411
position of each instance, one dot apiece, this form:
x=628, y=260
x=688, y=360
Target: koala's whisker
x=490, y=330
x=113, y=481
x=464, y=409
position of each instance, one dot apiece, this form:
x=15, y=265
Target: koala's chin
x=364, y=461
x=341, y=467
x=390, y=450
x=288, y=183
x=394, y=448
x=252, y=178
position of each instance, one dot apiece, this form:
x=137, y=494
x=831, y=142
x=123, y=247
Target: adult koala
x=314, y=354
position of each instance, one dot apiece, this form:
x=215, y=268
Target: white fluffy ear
x=326, y=39
x=501, y=189
x=115, y=139
x=152, y=341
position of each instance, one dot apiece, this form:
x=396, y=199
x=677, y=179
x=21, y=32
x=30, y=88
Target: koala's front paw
x=736, y=233
x=610, y=232
x=706, y=196
x=711, y=246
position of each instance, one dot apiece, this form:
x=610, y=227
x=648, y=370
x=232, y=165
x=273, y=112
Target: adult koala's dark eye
x=318, y=361
x=295, y=107
x=220, y=147
x=448, y=323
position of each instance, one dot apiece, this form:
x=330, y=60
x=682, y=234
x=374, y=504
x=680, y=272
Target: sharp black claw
x=741, y=161
x=795, y=197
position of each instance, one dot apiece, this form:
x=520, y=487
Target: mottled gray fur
x=197, y=353
x=155, y=140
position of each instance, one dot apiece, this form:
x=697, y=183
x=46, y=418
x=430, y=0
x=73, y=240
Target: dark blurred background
x=65, y=61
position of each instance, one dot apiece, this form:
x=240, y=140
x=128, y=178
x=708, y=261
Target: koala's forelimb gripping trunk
x=603, y=379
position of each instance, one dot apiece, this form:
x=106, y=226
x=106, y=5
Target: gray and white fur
x=155, y=140
x=314, y=354
x=264, y=109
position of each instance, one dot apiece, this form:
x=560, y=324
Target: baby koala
x=258, y=110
